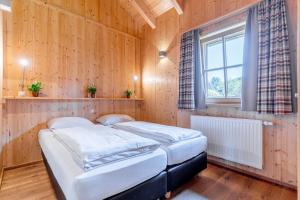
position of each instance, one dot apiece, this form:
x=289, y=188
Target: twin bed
x=179, y=155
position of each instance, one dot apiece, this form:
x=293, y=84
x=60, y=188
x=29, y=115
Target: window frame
x=225, y=35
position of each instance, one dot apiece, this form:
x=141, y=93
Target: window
x=222, y=64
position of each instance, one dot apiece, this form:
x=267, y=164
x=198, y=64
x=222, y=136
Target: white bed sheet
x=92, y=146
x=101, y=182
x=159, y=132
x=177, y=152
x=184, y=150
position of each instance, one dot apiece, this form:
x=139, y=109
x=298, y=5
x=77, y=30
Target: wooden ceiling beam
x=144, y=11
x=178, y=5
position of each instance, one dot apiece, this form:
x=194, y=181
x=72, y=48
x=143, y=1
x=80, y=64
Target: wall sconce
x=24, y=64
x=134, y=78
x=162, y=54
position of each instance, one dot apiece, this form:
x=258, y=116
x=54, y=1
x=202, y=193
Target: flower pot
x=35, y=94
x=93, y=95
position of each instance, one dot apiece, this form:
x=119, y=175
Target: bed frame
x=181, y=173
x=154, y=188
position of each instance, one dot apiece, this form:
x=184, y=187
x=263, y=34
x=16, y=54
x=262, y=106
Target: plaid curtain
x=187, y=72
x=274, y=74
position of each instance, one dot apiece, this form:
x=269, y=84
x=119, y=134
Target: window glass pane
x=234, y=82
x=215, y=84
x=214, y=55
x=234, y=50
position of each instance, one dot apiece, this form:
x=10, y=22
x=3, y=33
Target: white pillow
x=112, y=119
x=68, y=122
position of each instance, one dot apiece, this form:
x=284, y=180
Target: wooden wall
x=160, y=87
x=202, y=11
x=23, y=119
x=1, y=84
x=70, y=44
x=67, y=52
x=298, y=120
x=160, y=76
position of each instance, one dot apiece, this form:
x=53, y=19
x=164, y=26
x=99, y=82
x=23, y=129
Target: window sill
x=234, y=105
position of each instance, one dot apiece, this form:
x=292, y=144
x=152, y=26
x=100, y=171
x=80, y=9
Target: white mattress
x=177, y=152
x=100, y=182
x=159, y=132
x=184, y=150
x=92, y=146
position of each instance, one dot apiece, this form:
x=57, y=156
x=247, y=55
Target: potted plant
x=35, y=88
x=128, y=93
x=92, y=91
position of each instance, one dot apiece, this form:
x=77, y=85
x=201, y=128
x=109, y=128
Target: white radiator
x=236, y=140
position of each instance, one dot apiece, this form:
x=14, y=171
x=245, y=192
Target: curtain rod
x=231, y=14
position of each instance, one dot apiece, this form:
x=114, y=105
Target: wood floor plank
x=23, y=170
x=214, y=183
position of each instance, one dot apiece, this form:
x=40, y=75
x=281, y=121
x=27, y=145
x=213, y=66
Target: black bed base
x=183, y=172
x=151, y=189
x=154, y=188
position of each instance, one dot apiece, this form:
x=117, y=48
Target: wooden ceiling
x=145, y=11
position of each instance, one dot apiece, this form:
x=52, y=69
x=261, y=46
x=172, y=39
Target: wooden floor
x=32, y=182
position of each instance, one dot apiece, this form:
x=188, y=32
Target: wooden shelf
x=71, y=99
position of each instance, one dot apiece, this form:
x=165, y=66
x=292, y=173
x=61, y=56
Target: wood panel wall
x=23, y=119
x=70, y=44
x=160, y=87
x=1, y=84
x=67, y=52
x=298, y=120
x=200, y=12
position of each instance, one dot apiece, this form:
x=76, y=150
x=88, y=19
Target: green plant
x=128, y=93
x=36, y=86
x=92, y=89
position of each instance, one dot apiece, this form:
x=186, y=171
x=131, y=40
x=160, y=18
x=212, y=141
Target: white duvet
x=92, y=146
x=158, y=132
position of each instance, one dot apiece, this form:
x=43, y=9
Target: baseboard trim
x=22, y=165
x=252, y=175
x=1, y=176
x=15, y=167
x=236, y=169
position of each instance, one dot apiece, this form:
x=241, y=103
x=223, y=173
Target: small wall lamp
x=134, y=78
x=24, y=64
x=162, y=54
